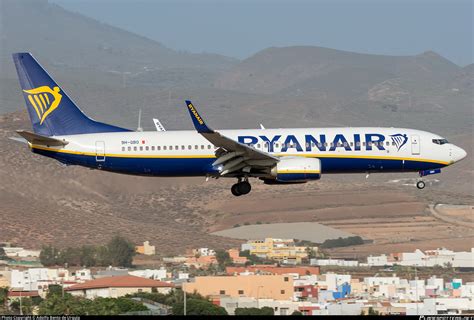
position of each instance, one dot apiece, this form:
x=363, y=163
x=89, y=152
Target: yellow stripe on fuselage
x=199, y=156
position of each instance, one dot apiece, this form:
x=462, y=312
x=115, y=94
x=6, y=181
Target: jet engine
x=295, y=170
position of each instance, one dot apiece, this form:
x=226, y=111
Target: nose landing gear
x=420, y=184
x=241, y=188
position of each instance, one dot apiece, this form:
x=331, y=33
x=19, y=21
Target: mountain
x=300, y=69
x=61, y=37
x=321, y=85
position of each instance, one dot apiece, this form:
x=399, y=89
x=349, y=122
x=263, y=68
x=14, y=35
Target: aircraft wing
x=35, y=138
x=235, y=155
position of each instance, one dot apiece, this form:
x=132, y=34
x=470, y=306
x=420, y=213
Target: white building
x=334, y=262
x=17, y=252
x=155, y=274
x=378, y=261
x=205, y=252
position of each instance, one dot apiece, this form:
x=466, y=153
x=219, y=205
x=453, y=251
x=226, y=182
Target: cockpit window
x=440, y=141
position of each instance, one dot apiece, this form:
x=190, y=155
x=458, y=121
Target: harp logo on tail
x=44, y=100
x=399, y=139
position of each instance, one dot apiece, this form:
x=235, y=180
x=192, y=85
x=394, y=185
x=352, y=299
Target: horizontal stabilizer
x=35, y=138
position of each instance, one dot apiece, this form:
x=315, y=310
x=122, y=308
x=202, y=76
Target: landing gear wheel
x=235, y=190
x=244, y=187
x=420, y=184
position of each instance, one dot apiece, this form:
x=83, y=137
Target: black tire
x=235, y=190
x=420, y=185
x=244, y=187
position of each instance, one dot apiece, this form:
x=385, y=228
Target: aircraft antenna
x=139, y=128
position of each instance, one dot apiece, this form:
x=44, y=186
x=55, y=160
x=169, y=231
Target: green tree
x=373, y=312
x=26, y=305
x=120, y=251
x=265, y=311
x=88, y=256
x=3, y=255
x=3, y=299
x=48, y=256
x=198, y=307
x=223, y=258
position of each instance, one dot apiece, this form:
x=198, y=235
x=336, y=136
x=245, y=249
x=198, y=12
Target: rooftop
x=120, y=282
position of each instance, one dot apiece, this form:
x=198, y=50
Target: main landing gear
x=241, y=188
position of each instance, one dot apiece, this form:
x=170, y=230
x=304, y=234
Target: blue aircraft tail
x=51, y=111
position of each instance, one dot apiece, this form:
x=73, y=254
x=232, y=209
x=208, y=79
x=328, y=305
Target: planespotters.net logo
x=447, y=317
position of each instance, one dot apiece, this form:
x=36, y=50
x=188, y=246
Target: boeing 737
x=276, y=156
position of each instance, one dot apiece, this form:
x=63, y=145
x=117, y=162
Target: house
x=114, y=287
x=283, y=250
x=234, y=255
x=5, y=278
x=146, y=249
x=273, y=269
x=277, y=287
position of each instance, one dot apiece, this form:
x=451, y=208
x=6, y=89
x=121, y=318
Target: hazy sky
x=240, y=28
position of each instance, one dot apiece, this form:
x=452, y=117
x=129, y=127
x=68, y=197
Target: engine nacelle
x=297, y=169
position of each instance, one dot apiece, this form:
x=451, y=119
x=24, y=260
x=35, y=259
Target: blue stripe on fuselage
x=201, y=166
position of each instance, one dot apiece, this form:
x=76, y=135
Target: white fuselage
x=188, y=153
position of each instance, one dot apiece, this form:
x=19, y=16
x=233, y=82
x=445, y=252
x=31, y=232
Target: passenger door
x=100, y=151
x=415, y=145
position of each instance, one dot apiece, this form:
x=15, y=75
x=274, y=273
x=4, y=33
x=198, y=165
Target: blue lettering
x=309, y=140
x=270, y=142
x=248, y=140
x=339, y=138
x=291, y=142
x=378, y=142
x=356, y=142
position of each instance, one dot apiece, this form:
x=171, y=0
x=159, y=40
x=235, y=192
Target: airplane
x=276, y=156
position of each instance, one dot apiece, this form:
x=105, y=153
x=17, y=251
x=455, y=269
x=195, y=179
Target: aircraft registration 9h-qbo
x=276, y=156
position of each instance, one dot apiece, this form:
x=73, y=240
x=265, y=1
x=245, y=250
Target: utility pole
x=21, y=307
x=416, y=283
x=184, y=301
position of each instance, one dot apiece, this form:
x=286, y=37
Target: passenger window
x=196, y=147
x=258, y=145
x=176, y=147
x=277, y=145
x=202, y=147
x=209, y=146
x=320, y=144
x=182, y=148
x=358, y=143
x=325, y=144
x=387, y=143
x=158, y=148
x=363, y=143
x=171, y=147
x=189, y=147
x=164, y=147
x=123, y=148
x=146, y=148
x=152, y=148
x=339, y=144
x=332, y=144
x=352, y=143
x=134, y=148
x=129, y=148
x=141, y=148
x=393, y=143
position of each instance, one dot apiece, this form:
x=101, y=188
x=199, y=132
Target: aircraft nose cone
x=459, y=154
